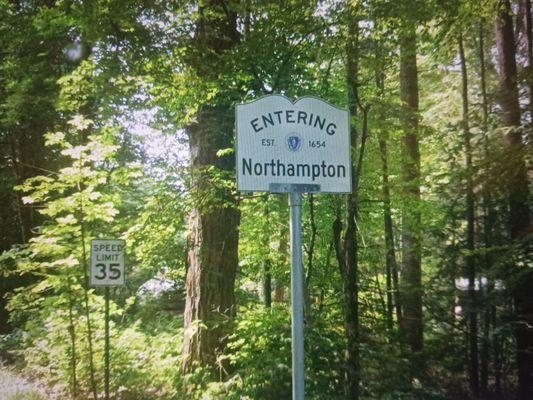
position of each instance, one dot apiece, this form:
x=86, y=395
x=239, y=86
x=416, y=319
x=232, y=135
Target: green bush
x=258, y=359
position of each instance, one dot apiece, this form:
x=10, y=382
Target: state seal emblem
x=294, y=142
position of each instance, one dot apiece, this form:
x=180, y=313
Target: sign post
x=107, y=269
x=106, y=343
x=293, y=147
x=297, y=298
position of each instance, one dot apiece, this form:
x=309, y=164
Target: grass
x=26, y=396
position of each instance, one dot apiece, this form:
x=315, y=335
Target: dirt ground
x=15, y=387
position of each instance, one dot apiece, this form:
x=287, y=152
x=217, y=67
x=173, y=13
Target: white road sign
x=305, y=142
x=107, y=262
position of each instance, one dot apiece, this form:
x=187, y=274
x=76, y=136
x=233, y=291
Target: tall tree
x=390, y=261
x=33, y=36
x=470, y=258
x=210, y=300
x=391, y=265
x=517, y=188
x=488, y=220
x=411, y=278
x=528, y=29
x=346, y=248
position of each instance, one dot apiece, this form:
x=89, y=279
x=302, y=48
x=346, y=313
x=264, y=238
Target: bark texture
x=267, y=284
x=346, y=246
x=279, y=285
x=210, y=298
x=411, y=285
x=517, y=187
x=310, y=250
x=488, y=222
x=529, y=41
x=470, y=210
x=391, y=265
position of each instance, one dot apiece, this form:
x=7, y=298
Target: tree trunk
x=267, y=275
x=279, y=287
x=517, y=187
x=310, y=256
x=85, y=273
x=210, y=297
x=391, y=264
x=487, y=226
x=210, y=300
x=346, y=248
x=267, y=284
x=411, y=291
x=529, y=36
x=279, y=292
x=72, y=335
x=27, y=158
x=485, y=344
x=470, y=260
x=348, y=258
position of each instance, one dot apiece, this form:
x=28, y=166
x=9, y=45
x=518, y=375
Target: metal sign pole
x=107, y=269
x=106, y=344
x=297, y=297
x=293, y=147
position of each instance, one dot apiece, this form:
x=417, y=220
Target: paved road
x=15, y=387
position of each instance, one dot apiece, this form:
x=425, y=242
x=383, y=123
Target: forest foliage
x=117, y=121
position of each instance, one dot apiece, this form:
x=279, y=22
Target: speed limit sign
x=107, y=262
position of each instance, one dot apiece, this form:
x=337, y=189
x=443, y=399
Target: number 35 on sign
x=107, y=262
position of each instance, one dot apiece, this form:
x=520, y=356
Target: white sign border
x=91, y=283
x=292, y=102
